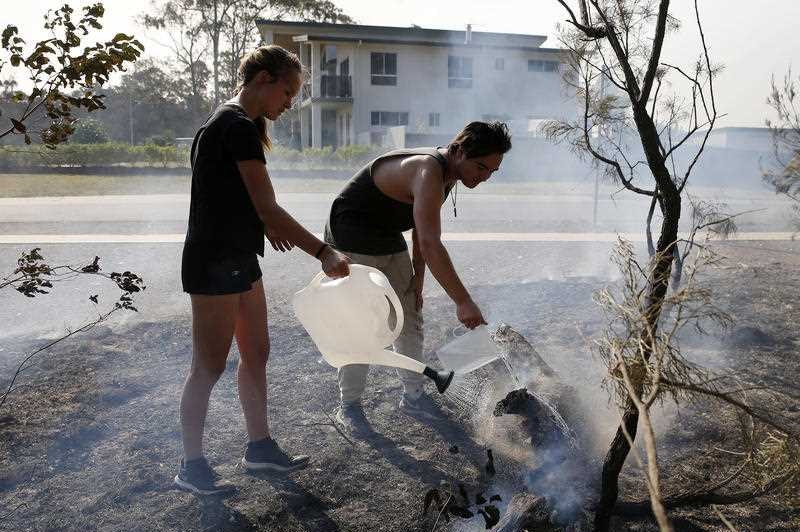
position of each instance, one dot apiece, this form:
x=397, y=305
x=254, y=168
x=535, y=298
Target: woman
x=398, y=191
x=232, y=207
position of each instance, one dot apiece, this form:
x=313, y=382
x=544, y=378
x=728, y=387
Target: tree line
x=160, y=98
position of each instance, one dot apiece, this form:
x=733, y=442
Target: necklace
x=453, y=198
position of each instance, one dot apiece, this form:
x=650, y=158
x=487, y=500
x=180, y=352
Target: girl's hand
x=334, y=264
x=278, y=243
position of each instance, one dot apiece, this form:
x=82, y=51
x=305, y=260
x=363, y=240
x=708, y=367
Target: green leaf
x=9, y=32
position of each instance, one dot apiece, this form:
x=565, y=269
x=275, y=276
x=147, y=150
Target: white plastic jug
x=468, y=350
x=348, y=319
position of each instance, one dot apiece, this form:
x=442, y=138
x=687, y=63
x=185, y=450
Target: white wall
x=422, y=87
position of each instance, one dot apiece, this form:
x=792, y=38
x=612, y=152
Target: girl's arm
x=282, y=225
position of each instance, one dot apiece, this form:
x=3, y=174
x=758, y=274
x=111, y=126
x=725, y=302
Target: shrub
x=89, y=131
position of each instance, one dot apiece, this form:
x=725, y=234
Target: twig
x=11, y=512
x=722, y=518
x=449, y=496
x=21, y=367
x=341, y=433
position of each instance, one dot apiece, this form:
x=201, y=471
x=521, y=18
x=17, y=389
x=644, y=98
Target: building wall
x=422, y=88
x=515, y=95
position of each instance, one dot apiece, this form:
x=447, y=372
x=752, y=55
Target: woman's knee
x=254, y=357
x=208, y=370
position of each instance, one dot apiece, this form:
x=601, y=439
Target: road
x=496, y=239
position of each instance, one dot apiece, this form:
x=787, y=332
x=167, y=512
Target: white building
x=397, y=86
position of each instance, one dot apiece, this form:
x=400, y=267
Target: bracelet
x=321, y=249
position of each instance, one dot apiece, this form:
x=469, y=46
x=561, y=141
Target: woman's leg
x=400, y=273
x=213, y=323
x=252, y=337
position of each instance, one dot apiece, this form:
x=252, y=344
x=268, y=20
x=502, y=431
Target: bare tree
x=768, y=462
x=227, y=29
x=633, y=132
x=784, y=176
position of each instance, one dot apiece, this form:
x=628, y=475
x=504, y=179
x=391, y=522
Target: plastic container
x=348, y=318
x=468, y=350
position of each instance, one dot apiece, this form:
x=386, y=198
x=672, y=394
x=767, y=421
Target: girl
x=232, y=207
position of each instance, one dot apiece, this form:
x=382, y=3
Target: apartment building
x=396, y=86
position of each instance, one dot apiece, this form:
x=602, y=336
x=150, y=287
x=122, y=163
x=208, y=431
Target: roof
x=415, y=35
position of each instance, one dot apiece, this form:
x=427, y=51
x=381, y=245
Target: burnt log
x=527, y=512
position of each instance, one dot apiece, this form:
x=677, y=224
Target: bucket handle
x=398, y=310
x=391, y=295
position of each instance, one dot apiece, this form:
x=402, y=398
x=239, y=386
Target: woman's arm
x=281, y=224
x=428, y=196
x=418, y=262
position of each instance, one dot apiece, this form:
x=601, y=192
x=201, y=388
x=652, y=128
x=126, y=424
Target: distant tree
x=167, y=138
x=57, y=67
x=148, y=101
x=784, y=174
x=221, y=31
x=88, y=131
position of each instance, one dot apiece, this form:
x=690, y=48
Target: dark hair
x=482, y=138
x=278, y=62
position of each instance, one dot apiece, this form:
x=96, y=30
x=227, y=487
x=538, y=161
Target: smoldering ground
x=92, y=438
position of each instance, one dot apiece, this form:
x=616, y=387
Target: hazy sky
x=753, y=39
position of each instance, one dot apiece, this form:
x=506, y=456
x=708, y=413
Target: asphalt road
x=477, y=213
x=496, y=239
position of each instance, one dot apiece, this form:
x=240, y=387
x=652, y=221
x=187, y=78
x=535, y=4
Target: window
x=459, y=72
x=499, y=63
x=384, y=68
x=433, y=119
x=388, y=118
x=328, y=59
x=537, y=65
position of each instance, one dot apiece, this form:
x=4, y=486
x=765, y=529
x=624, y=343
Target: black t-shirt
x=222, y=218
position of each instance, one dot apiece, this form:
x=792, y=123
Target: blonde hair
x=278, y=62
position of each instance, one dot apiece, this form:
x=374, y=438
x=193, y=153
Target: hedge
x=151, y=155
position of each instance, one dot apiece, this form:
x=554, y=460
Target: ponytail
x=278, y=62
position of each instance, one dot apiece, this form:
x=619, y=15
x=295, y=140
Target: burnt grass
x=90, y=440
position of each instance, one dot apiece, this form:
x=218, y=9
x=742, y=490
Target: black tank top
x=365, y=220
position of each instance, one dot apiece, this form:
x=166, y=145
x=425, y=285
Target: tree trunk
x=656, y=292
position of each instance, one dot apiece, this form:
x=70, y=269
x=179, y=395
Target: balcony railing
x=335, y=86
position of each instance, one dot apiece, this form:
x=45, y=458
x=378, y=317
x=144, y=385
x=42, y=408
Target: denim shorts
x=217, y=274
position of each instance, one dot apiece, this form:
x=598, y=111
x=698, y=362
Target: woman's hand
x=469, y=314
x=334, y=264
x=278, y=242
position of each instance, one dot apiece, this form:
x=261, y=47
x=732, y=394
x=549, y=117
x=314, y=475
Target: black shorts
x=217, y=274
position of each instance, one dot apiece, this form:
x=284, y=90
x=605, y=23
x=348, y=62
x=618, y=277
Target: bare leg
x=252, y=337
x=213, y=322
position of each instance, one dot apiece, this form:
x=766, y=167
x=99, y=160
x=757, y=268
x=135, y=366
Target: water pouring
x=348, y=320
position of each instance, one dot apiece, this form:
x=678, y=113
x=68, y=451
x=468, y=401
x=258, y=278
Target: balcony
x=335, y=86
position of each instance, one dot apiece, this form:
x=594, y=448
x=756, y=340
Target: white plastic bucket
x=348, y=318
